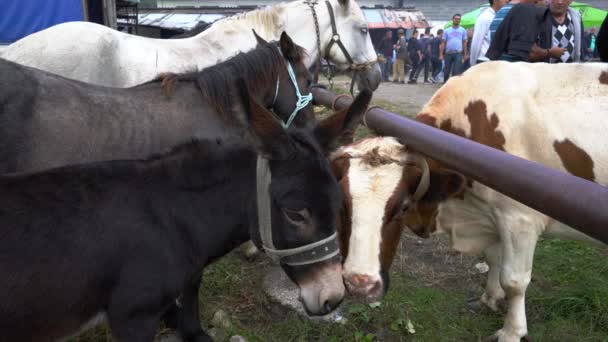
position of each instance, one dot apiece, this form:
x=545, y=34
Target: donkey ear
x=340, y=127
x=260, y=40
x=289, y=49
x=269, y=137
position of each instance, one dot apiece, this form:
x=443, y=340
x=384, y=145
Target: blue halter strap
x=303, y=100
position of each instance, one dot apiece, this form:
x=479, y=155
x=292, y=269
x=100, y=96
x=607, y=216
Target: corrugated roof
x=392, y=19
x=184, y=21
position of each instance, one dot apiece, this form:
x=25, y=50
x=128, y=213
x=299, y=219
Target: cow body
x=551, y=114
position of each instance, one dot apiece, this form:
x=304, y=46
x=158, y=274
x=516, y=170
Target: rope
x=302, y=102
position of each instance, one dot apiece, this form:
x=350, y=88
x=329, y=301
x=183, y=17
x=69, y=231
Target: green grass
x=566, y=301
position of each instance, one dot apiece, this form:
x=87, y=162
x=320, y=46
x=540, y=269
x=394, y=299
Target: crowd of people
x=509, y=30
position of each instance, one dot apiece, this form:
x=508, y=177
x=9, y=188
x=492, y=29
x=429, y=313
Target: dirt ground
x=409, y=96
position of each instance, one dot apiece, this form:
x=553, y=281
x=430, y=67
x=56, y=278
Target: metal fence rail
x=579, y=203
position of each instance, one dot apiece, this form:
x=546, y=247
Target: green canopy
x=591, y=16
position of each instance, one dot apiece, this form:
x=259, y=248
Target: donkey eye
x=295, y=216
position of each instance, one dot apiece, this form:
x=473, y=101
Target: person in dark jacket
x=415, y=53
x=562, y=28
x=601, y=41
x=517, y=33
x=386, y=49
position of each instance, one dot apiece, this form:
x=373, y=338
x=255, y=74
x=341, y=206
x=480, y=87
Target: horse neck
x=196, y=190
x=301, y=28
x=232, y=35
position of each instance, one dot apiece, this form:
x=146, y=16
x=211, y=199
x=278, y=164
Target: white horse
x=97, y=54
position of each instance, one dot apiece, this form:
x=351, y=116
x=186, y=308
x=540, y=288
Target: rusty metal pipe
x=579, y=203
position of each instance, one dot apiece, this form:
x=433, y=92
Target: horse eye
x=295, y=216
x=364, y=30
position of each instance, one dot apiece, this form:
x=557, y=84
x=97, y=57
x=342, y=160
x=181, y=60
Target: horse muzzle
x=369, y=78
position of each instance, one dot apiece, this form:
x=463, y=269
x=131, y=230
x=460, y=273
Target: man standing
x=386, y=49
x=602, y=41
x=401, y=49
x=415, y=54
x=434, y=51
x=425, y=47
x=589, y=44
x=563, y=29
x=454, y=48
x=481, y=34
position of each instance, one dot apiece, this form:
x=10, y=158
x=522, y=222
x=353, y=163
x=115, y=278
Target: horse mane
x=200, y=27
x=266, y=21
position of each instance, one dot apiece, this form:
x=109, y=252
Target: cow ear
x=340, y=165
x=340, y=127
x=268, y=136
x=260, y=40
x=445, y=184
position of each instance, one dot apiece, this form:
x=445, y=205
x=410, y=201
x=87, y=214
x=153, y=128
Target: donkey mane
x=258, y=67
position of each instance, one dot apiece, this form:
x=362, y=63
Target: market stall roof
x=183, y=21
x=386, y=18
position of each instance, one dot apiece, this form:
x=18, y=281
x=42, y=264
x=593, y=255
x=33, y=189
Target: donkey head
x=304, y=197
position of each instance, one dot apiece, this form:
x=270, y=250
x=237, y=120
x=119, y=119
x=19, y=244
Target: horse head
x=349, y=45
x=299, y=199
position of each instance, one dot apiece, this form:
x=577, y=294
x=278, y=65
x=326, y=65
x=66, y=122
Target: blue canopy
x=18, y=18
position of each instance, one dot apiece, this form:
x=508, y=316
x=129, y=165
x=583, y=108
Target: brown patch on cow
x=393, y=210
x=374, y=158
x=168, y=83
x=447, y=126
x=427, y=119
x=604, y=77
x=575, y=159
x=484, y=130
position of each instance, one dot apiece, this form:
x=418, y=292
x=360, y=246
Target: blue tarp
x=18, y=18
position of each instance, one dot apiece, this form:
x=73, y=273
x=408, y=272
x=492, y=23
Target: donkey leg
x=140, y=328
x=518, y=241
x=189, y=324
x=494, y=294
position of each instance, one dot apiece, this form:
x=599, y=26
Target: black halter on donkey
x=335, y=39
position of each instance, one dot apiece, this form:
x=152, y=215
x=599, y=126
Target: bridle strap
x=335, y=37
x=312, y=253
x=301, y=103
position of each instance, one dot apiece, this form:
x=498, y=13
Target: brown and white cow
x=556, y=115
x=380, y=180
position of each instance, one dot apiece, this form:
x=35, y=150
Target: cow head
x=385, y=188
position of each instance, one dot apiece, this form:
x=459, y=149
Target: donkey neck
x=211, y=201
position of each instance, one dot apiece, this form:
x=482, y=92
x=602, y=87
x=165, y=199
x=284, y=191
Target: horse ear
x=268, y=136
x=339, y=128
x=259, y=39
x=289, y=49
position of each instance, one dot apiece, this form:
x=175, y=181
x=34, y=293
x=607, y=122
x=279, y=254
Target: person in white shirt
x=481, y=33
